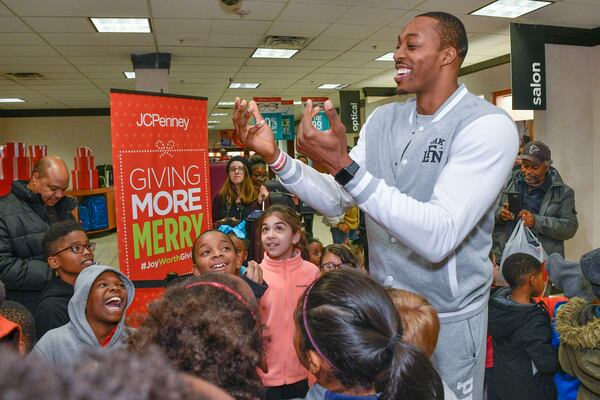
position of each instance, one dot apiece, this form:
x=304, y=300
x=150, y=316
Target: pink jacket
x=287, y=282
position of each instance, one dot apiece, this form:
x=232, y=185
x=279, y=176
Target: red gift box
x=14, y=168
x=84, y=179
x=84, y=163
x=38, y=151
x=12, y=149
x=83, y=151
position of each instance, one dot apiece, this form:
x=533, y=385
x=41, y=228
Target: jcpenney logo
x=536, y=83
x=147, y=119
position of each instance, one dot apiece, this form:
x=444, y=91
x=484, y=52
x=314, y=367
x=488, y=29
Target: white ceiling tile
x=317, y=54
x=258, y=10
x=240, y=27
x=102, y=51
x=180, y=39
x=370, y=16
x=312, y=13
x=349, y=31
x=405, y=19
x=208, y=61
x=4, y=10
x=332, y=44
x=99, y=39
x=105, y=68
x=174, y=26
x=21, y=39
x=302, y=29
x=79, y=61
x=60, y=24
x=234, y=40
x=478, y=23
x=404, y=4
x=40, y=68
x=377, y=45
x=343, y=63
x=455, y=7
x=566, y=14
x=19, y=61
x=83, y=8
x=27, y=51
x=12, y=24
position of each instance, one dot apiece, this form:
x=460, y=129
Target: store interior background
x=570, y=126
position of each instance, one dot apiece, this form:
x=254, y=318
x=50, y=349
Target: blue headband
x=239, y=230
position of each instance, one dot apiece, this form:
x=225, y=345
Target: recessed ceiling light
x=11, y=100
x=386, y=57
x=226, y=103
x=297, y=102
x=273, y=53
x=331, y=86
x=121, y=25
x=211, y=127
x=129, y=75
x=510, y=8
x=238, y=85
x=214, y=122
x=219, y=114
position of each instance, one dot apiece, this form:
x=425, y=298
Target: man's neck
x=101, y=330
x=430, y=101
x=521, y=296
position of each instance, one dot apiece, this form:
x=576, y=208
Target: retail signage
x=350, y=110
x=161, y=178
x=320, y=121
x=271, y=110
x=528, y=67
x=287, y=120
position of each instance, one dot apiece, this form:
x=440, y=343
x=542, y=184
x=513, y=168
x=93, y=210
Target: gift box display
x=12, y=149
x=84, y=179
x=14, y=165
x=38, y=151
x=83, y=151
x=84, y=163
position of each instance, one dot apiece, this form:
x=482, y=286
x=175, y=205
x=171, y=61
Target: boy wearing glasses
x=68, y=252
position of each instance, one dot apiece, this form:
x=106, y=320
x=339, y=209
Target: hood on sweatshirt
x=78, y=303
x=506, y=316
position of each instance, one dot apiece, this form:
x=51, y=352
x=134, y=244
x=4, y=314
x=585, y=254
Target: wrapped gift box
x=12, y=149
x=84, y=179
x=4, y=188
x=84, y=163
x=83, y=151
x=38, y=151
x=14, y=168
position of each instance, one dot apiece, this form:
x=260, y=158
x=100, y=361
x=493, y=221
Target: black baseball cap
x=536, y=152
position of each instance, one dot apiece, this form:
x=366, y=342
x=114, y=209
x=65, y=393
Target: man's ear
x=315, y=362
x=53, y=263
x=449, y=55
x=196, y=270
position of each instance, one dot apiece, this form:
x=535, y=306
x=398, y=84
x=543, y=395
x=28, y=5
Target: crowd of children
x=306, y=322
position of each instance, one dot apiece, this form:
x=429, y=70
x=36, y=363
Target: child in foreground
x=524, y=360
x=349, y=335
x=68, y=251
x=288, y=276
x=97, y=317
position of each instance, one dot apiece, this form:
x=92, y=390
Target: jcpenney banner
x=160, y=157
x=350, y=110
x=528, y=65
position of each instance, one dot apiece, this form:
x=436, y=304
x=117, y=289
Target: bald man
x=26, y=213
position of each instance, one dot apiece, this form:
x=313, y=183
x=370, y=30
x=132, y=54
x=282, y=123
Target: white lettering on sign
x=354, y=117
x=147, y=119
x=536, y=83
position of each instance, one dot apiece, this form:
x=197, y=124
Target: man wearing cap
x=547, y=204
x=26, y=213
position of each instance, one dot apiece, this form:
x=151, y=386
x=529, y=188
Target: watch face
x=345, y=175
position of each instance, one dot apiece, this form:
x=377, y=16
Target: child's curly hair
x=208, y=326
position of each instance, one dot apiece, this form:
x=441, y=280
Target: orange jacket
x=12, y=331
x=287, y=280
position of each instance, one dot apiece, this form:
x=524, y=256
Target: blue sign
x=274, y=121
x=321, y=122
x=287, y=125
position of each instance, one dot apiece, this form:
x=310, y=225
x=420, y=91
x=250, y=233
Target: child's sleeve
x=537, y=344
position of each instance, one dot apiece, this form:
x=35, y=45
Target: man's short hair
x=41, y=166
x=452, y=32
x=56, y=233
x=518, y=266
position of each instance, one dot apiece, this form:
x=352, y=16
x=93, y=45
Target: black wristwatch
x=346, y=174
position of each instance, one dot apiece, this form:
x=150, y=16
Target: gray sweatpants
x=460, y=355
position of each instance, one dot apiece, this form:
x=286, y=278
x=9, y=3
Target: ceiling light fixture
x=11, y=100
x=226, y=103
x=238, y=85
x=219, y=114
x=386, y=57
x=510, y=8
x=129, y=75
x=214, y=122
x=121, y=25
x=274, y=53
x=332, y=86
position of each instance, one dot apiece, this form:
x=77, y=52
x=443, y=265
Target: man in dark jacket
x=25, y=215
x=541, y=199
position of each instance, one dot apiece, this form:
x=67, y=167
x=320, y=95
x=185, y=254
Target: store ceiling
x=210, y=46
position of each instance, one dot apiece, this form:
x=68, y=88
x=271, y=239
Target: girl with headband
x=348, y=334
x=208, y=326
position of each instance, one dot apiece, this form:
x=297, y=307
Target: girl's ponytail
x=410, y=374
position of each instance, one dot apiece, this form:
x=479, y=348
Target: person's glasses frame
x=327, y=267
x=77, y=248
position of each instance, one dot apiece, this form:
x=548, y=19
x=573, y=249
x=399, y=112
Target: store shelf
x=109, y=195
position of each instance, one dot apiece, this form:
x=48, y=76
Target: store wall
x=62, y=135
x=571, y=127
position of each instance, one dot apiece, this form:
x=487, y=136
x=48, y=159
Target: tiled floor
x=107, y=246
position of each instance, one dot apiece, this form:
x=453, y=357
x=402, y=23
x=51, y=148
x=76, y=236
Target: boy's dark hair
x=518, y=266
x=310, y=240
x=55, y=233
x=452, y=32
x=357, y=330
x=19, y=314
x=204, y=233
x=208, y=332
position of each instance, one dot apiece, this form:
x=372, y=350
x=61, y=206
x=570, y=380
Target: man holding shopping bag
x=536, y=195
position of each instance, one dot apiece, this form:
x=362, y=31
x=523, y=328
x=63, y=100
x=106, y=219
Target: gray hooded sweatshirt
x=64, y=345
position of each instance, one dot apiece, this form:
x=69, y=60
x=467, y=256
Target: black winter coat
x=23, y=221
x=524, y=360
x=52, y=310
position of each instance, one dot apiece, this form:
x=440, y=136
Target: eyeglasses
x=236, y=169
x=78, y=248
x=332, y=267
x=268, y=107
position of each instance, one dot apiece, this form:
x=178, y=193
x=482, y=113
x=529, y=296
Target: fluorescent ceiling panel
x=239, y=85
x=331, y=86
x=11, y=100
x=510, y=8
x=129, y=75
x=386, y=57
x=121, y=25
x=274, y=53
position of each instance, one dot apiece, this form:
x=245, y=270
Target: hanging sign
x=350, y=110
x=528, y=67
